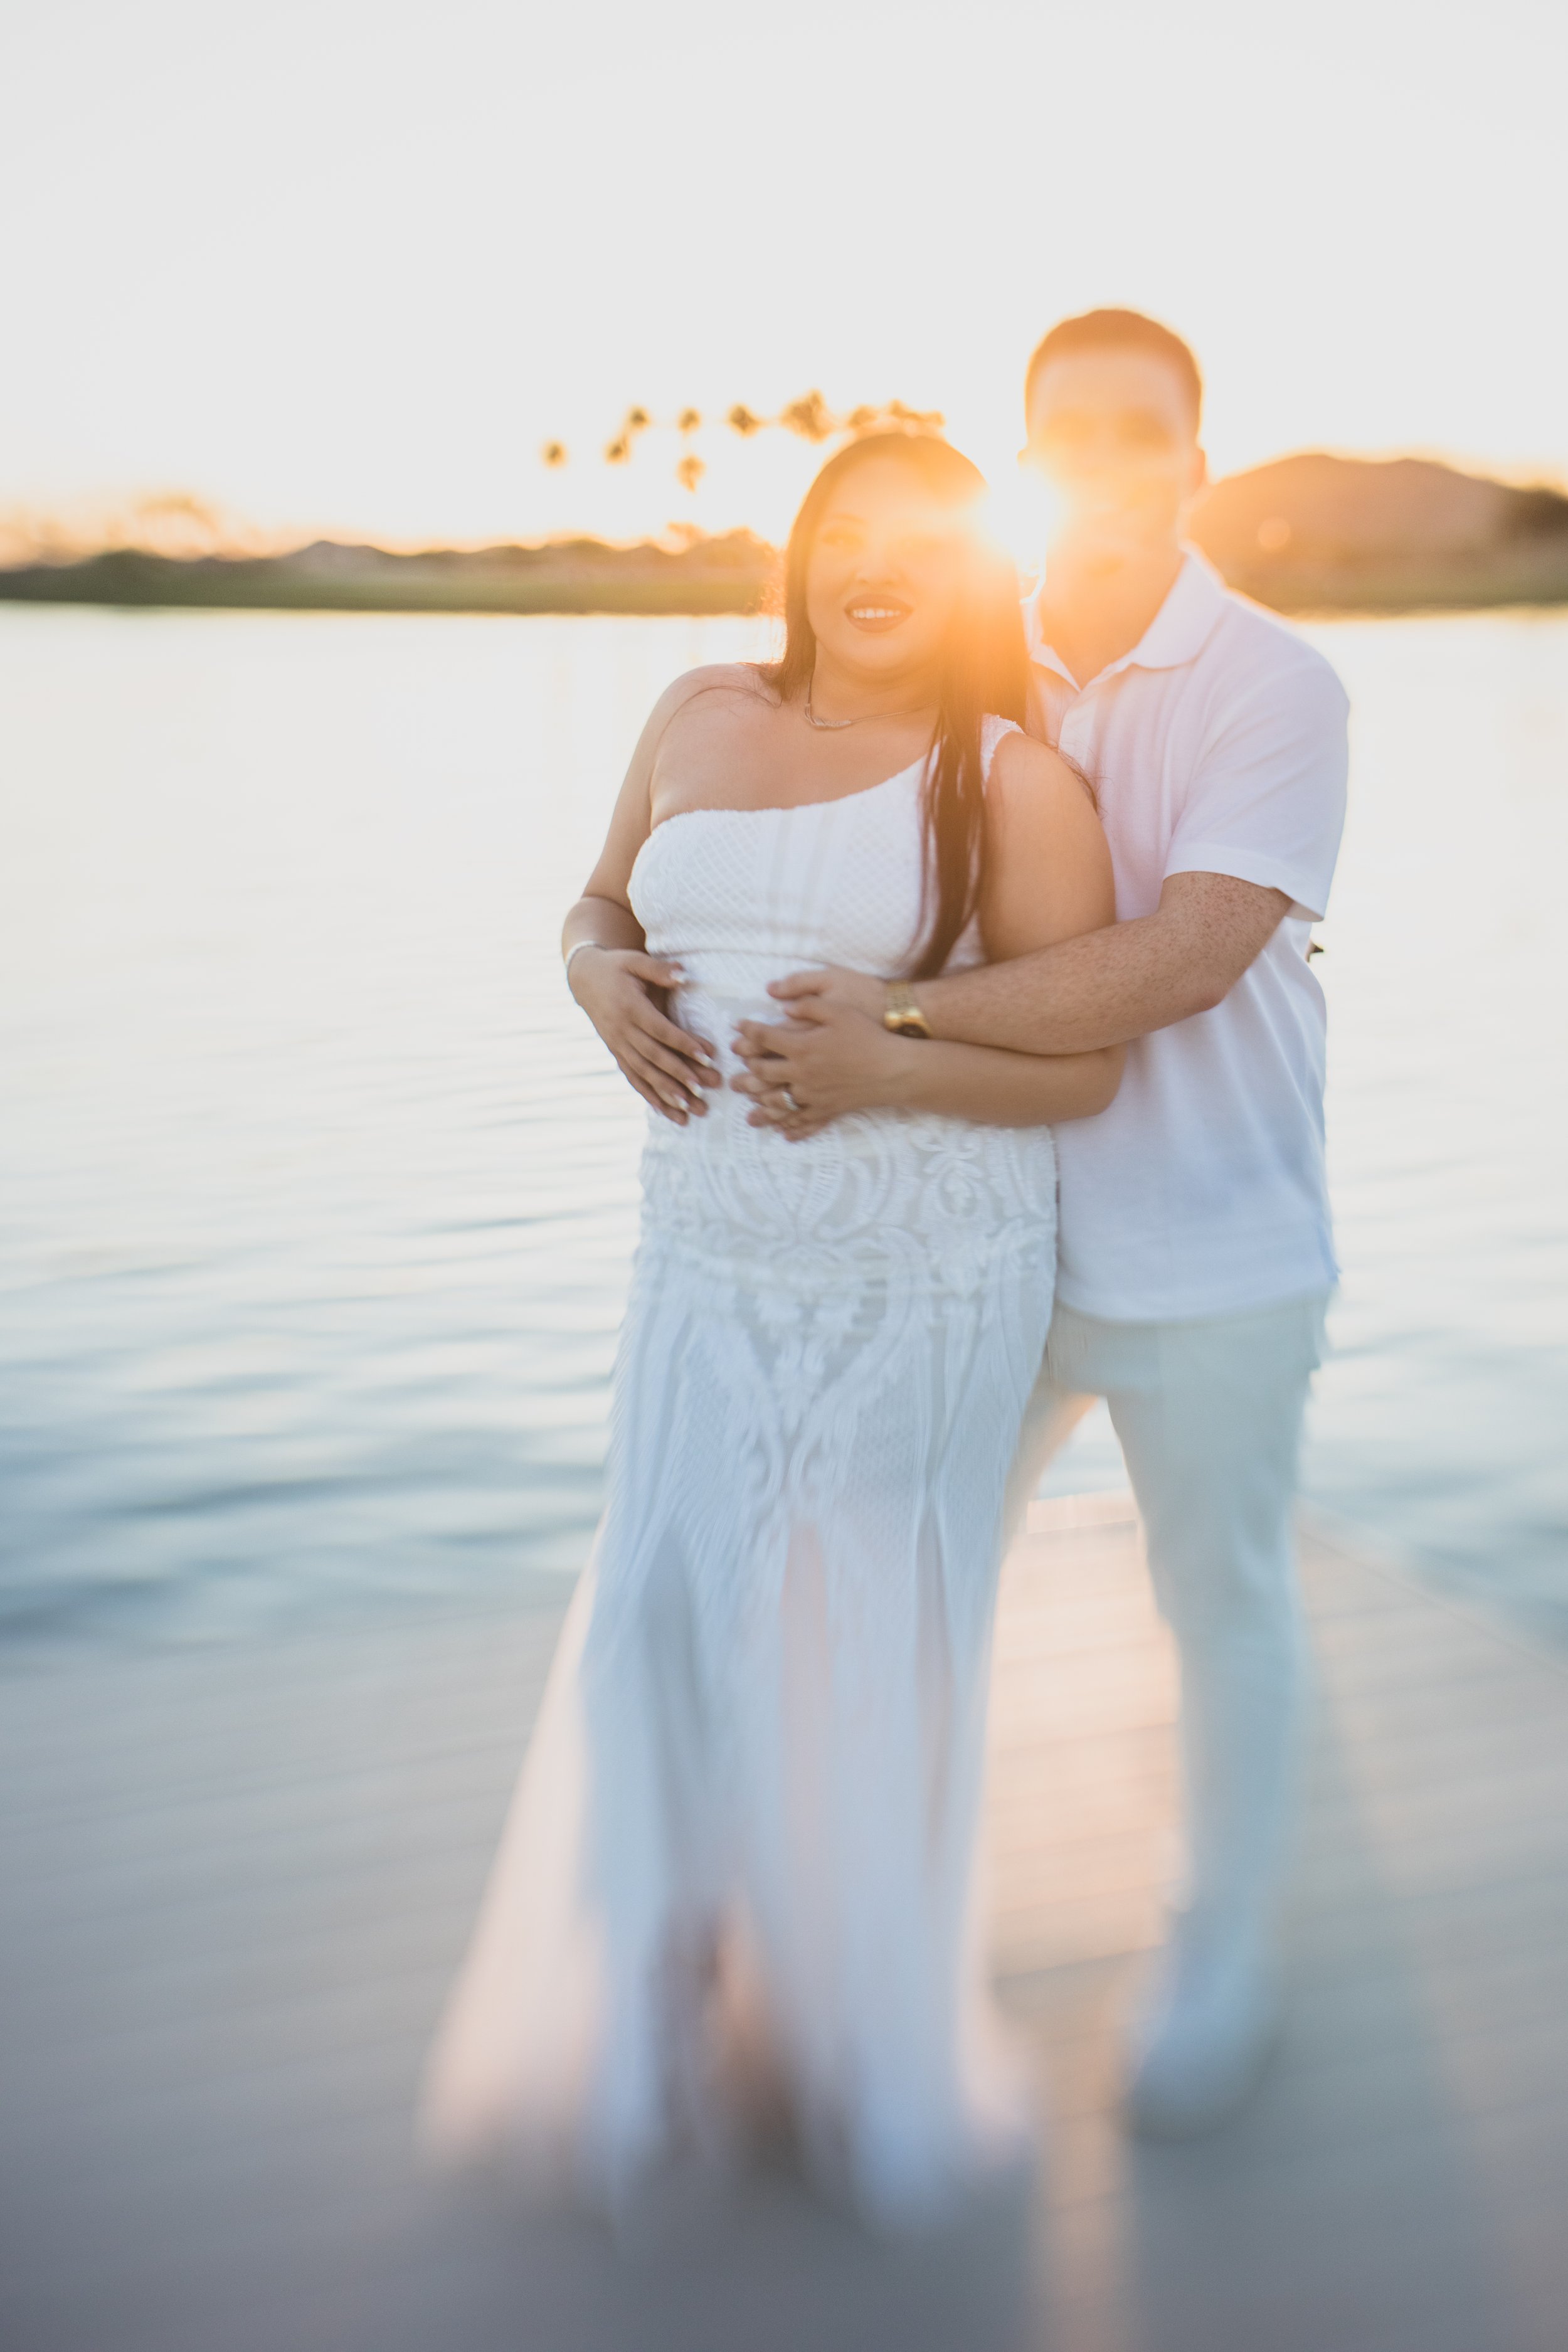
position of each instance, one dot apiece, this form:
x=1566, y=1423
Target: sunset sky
x=345, y=267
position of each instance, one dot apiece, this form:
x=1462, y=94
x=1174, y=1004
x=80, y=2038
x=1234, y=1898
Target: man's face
x=1115, y=433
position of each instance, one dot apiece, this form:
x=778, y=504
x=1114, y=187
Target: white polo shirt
x=1216, y=746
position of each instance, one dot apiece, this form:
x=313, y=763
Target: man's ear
x=1198, y=479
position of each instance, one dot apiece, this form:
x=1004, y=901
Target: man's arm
x=1104, y=988
x=1113, y=985
x=1257, y=837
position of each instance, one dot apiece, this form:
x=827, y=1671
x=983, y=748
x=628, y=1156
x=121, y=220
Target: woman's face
x=884, y=575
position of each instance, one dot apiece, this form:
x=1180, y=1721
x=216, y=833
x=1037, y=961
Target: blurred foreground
x=234, y=1881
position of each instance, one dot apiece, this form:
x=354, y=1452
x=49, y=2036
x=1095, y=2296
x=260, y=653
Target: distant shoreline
x=731, y=574
x=1307, y=535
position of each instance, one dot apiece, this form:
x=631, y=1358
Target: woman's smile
x=876, y=615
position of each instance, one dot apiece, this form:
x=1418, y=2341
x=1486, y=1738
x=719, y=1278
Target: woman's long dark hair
x=984, y=667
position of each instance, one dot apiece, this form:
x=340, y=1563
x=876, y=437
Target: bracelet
x=902, y=1014
x=575, y=950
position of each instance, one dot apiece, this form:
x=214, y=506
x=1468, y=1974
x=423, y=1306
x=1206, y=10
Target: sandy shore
x=235, y=1881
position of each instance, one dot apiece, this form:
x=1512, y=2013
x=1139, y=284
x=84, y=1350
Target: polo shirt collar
x=1176, y=635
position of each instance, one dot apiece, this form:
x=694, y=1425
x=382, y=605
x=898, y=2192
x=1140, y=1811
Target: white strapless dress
x=745, y=1834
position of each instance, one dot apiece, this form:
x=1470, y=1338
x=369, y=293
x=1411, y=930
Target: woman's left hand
x=832, y=1056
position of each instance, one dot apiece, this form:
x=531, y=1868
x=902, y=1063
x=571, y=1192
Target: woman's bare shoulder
x=734, y=688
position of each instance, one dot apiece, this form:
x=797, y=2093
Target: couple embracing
x=961, y=956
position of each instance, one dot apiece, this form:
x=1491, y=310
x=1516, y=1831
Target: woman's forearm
x=998, y=1088
x=600, y=923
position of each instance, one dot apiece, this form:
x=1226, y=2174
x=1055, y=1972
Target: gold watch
x=902, y=1014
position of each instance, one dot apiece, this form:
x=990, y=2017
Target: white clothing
x=1216, y=746
x=1209, y=1414
x=759, y=1760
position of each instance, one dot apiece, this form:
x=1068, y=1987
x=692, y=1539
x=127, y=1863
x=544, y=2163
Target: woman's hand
x=832, y=1057
x=620, y=989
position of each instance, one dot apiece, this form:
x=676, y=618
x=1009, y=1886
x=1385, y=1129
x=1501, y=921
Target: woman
x=747, y=1820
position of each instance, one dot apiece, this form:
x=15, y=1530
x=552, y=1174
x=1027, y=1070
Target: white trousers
x=1209, y=1417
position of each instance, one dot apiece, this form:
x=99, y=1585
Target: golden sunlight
x=1019, y=515
x=584, y=1083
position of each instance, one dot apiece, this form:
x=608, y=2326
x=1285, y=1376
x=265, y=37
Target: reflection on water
x=317, y=1196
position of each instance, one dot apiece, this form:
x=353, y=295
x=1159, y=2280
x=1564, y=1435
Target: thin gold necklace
x=836, y=726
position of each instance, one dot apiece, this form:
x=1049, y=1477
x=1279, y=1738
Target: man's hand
x=832, y=1057
x=620, y=989
x=845, y=992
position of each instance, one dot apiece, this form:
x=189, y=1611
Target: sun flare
x=1019, y=515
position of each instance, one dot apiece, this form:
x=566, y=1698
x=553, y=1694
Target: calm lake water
x=316, y=1194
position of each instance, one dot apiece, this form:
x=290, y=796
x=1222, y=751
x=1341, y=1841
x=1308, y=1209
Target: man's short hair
x=1127, y=330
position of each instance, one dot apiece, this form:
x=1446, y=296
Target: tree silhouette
x=809, y=418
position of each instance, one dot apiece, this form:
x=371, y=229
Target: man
x=1195, y=1258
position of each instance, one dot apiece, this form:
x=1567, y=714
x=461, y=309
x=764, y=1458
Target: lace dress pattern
x=748, y=1815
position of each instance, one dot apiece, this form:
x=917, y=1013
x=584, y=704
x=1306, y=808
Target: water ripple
x=317, y=1196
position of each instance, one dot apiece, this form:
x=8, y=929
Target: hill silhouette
x=1316, y=533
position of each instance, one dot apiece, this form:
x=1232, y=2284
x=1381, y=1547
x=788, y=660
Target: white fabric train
x=743, y=1846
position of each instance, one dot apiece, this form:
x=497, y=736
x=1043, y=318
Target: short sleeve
x=992, y=731
x=1267, y=800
